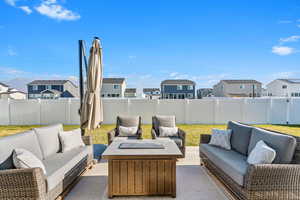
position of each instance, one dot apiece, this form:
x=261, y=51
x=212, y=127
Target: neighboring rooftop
x=241, y=81
x=130, y=90
x=295, y=81
x=151, y=90
x=178, y=81
x=50, y=82
x=4, y=85
x=113, y=80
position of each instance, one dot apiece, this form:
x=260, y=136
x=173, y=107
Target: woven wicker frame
x=262, y=182
x=30, y=184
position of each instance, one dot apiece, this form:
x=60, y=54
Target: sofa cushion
x=25, y=140
x=221, y=138
x=231, y=162
x=59, y=164
x=240, y=136
x=166, y=121
x=128, y=121
x=284, y=145
x=48, y=139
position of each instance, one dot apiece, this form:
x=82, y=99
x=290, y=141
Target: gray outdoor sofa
x=62, y=168
x=279, y=180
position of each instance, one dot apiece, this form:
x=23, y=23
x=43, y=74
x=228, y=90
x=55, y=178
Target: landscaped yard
x=193, y=131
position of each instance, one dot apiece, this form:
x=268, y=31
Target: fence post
x=186, y=108
x=288, y=101
x=216, y=108
x=9, y=112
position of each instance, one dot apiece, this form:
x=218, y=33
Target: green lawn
x=193, y=131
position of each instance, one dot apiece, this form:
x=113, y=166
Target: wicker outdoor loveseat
x=62, y=169
x=279, y=180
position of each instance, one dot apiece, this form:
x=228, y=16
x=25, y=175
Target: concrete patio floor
x=193, y=182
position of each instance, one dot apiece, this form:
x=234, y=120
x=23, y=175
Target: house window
x=102, y=95
x=34, y=87
x=117, y=95
x=108, y=95
x=284, y=86
x=242, y=86
x=296, y=94
x=113, y=95
x=190, y=87
x=116, y=86
x=255, y=87
x=48, y=87
x=179, y=87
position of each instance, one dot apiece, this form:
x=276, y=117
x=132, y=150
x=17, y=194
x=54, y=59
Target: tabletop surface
x=170, y=148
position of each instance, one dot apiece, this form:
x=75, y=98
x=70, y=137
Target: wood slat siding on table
x=142, y=177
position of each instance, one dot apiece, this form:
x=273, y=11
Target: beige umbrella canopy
x=91, y=112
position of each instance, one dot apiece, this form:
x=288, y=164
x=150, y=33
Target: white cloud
x=293, y=38
x=52, y=9
x=132, y=57
x=10, y=71
x=11, y=52
x=11, y=2
x=26, y=9
x=287, y=74
x=285, y=21
x=282, y=50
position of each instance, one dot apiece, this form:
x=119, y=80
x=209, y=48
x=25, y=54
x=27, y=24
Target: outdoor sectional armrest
x=22, y=184
x=153, y=133
x=111, y=135
x=87, y=140
x=204, y=138
x=182, y=134
x=273, y=177
x=139, y=133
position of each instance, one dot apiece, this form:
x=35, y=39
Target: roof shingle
x=178, y=81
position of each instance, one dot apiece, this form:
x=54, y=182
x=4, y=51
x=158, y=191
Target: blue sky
x=149, y=41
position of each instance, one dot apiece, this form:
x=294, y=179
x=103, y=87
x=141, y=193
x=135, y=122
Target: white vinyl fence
x=206, y=111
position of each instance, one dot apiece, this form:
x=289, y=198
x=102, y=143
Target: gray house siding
x=173, y=92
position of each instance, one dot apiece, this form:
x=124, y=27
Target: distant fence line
x=196, y=111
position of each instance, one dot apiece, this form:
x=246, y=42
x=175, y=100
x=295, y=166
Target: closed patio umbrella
x=91, y=112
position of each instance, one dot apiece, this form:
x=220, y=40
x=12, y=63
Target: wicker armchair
x=167, y=121
x=127, y=122
x=262, y=181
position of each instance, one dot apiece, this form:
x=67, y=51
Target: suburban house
x=130, y=93
x=178, y=89
x=284, y=88
x=113, y=87
x=10, y=93
x=52, y=89
x=204, y=92
x=237, y=88
x=151, y=93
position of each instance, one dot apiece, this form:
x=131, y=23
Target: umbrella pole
x=80, y=43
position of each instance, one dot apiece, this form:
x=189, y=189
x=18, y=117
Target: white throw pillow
x=168, y=131
x=70, y=140
x=24, y=159
x=221, y=138
x=127, y=131
x=261, y=154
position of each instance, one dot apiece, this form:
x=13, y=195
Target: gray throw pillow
x=70, y=140
x=168, y=131
x=24, y=159
x=127, y=131
x=221, y=138
x=261, y=154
